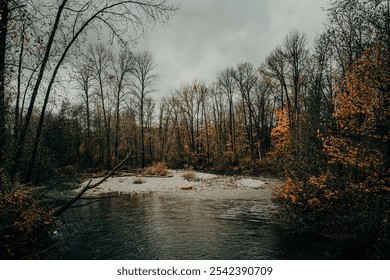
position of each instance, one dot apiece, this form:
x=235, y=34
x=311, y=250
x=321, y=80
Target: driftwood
x=57, y=212
x=186, y=188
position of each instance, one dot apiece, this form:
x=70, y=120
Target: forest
x=317, y=116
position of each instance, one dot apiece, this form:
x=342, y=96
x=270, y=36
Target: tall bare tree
x=246, y=79
x=84, y=79
x=100, y=60
x=122, y=66
x=296, y=55
x=228, y=87
x=144, y=79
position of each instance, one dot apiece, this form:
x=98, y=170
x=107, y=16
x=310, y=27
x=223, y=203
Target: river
x=221, y=224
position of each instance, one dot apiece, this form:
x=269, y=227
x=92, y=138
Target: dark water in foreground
x=184, y=226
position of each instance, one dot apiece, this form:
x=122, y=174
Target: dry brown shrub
x=189, y=175
x=157, y=169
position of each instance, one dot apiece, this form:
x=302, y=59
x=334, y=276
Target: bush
x=157, y=169
x=189, y=175
x=25, y=228
x=335, y=209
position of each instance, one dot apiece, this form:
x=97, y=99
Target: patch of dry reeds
x=157, y=169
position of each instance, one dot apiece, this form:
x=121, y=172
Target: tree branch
x=57, y=212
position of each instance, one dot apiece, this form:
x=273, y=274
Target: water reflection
x=157, y=226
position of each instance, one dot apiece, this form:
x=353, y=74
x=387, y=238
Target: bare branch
x=67, y=205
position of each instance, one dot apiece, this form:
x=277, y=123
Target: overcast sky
x=207, y=36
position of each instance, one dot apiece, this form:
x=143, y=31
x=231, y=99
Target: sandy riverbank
x=175, y=183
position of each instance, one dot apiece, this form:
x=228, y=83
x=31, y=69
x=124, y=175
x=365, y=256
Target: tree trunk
x=117, y=123
x=142, y=132
x=24, y=130
x=17, y=105
x=117, y=126
x=3, y=40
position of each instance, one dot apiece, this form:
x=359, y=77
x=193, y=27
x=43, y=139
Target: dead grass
x=189, y=175
x=157, y=169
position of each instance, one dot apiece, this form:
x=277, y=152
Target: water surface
x=219, y=224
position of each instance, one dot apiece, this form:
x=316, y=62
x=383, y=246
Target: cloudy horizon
x=207, y=36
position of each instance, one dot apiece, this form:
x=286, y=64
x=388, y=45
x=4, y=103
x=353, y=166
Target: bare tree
x=297, y=61
x=348, y=32
x=263, y=115
x=274, y=71
x=246, y=79
x=285, y=70
x=150, y=106
x=122, y=66
x=100, y=58
x=188, y=113
x=144, y=79
x=228, y=86
x=165, y=129
x=84, y=78
x=220, y=121
x=204, y=93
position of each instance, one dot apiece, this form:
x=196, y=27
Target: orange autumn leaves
x=281, y=135
x=24, y=225
x=357, y=153
x=362, y=113
x=362, y=102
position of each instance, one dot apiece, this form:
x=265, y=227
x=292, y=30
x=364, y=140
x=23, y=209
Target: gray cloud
x=206, y=36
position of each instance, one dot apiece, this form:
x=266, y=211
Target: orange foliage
x=289, y=192
x=362, y=115
x=361, y=102
x=356, y=169
x=25, y=227
x=317, y=193
x=237, y=149
x=281, y=135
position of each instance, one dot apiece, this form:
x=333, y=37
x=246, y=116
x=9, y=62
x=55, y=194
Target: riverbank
x=176, y=182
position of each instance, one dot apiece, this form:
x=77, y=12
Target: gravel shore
x=175, y=183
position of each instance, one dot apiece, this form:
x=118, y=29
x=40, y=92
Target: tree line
x=224, y=124
x=40, y=40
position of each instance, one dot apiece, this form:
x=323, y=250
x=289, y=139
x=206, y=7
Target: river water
x=219, y=224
